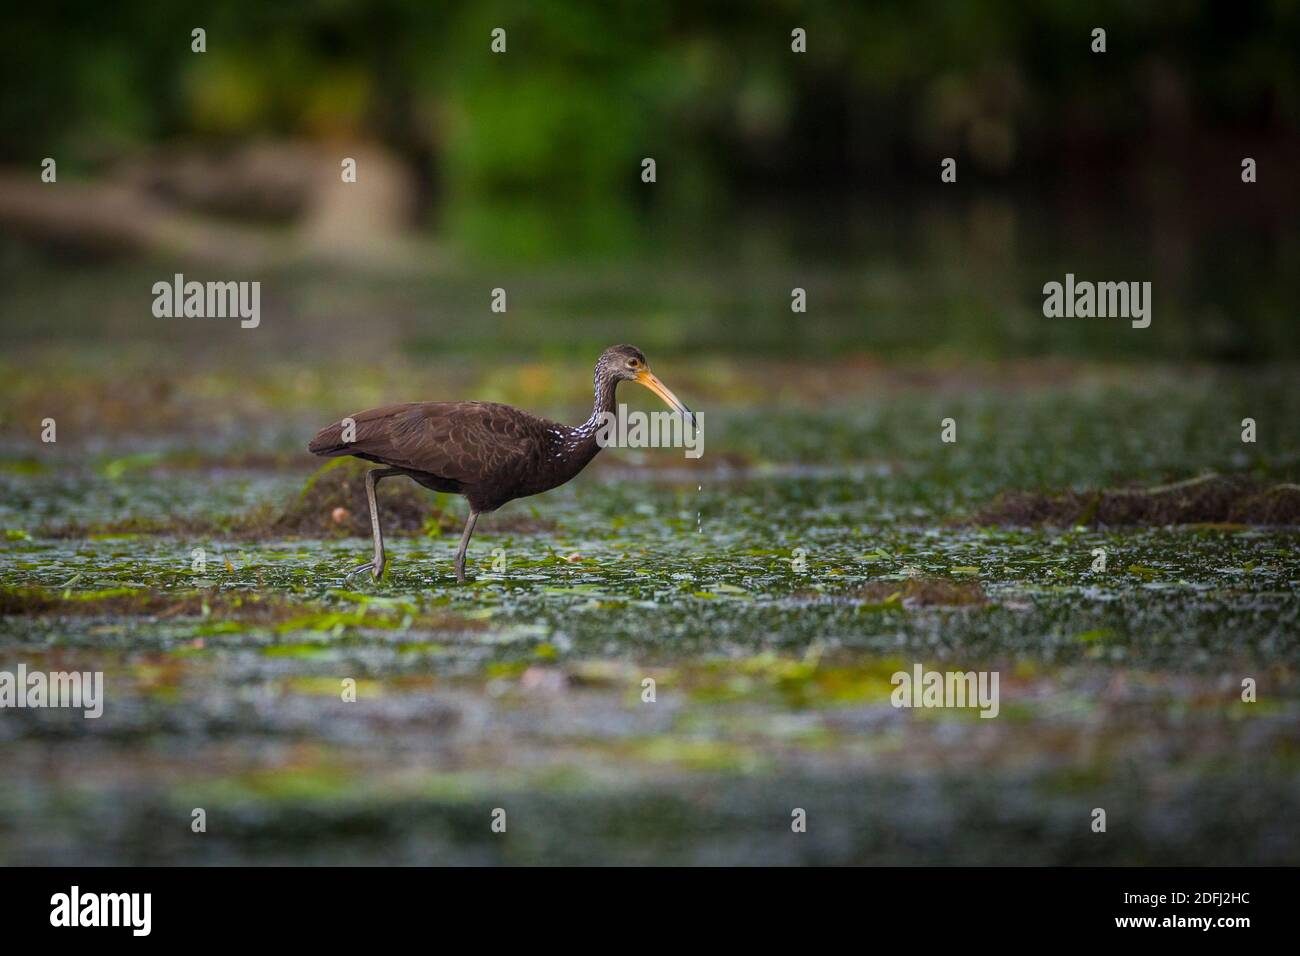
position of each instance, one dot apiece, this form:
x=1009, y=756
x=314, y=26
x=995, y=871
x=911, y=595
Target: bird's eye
x=633, y=363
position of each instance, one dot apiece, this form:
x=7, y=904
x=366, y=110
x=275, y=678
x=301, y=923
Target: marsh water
x=827, y=539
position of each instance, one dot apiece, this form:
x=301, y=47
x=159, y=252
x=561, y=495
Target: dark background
x=775, y=170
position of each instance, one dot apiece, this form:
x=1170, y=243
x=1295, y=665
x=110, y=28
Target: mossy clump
x=1210, y=499
x=139, y=602
x=915, y=592
x=333, y=503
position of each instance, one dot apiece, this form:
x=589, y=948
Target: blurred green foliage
x=775, y=169
x=586, y=89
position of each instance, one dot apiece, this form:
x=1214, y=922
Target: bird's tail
x=329, y=443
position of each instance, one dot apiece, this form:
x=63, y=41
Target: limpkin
x=489, y=453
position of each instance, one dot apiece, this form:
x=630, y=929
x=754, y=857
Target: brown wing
x=467, y=442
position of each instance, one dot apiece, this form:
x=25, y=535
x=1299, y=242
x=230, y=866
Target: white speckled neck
x=603, y=404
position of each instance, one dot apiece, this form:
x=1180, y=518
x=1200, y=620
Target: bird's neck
x=602, y=406
x=578, y=444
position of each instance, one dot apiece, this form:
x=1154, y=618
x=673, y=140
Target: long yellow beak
x=651, y=381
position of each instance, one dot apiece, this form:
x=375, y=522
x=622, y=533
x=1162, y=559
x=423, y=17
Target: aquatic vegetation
x=768, y=596
x=1225, y=500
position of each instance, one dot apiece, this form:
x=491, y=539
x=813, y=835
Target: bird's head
x=627, y=363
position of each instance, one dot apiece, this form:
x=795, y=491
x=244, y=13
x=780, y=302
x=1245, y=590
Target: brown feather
x=491, y=453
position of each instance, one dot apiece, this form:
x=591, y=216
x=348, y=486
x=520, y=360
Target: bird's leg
x=464, y=543
x=376, y=566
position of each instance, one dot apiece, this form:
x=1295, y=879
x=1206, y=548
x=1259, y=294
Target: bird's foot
x=376, y=570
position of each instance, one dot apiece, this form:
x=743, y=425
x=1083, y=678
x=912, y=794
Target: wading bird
x=487, y=452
